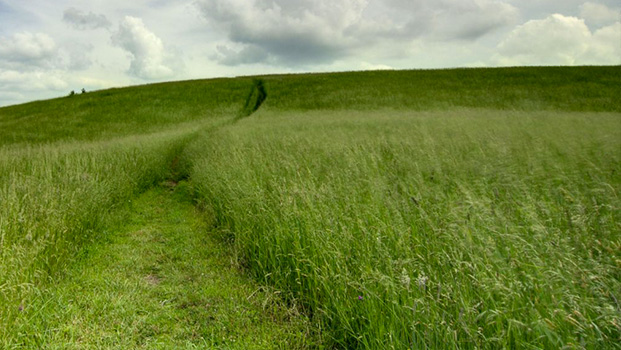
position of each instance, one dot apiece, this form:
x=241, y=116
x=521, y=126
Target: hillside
x=149, y=108
x=461, y=208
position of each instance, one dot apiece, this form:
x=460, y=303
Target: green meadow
x=440, y=209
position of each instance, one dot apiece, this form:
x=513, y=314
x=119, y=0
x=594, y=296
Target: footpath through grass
x=159, y=282
x=462, y=208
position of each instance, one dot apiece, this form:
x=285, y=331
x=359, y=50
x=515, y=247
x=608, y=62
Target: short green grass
x=588, y=89
x=67, y=164
x=159, y=281
x=54, y=200
x=102, y=115
x=467, y=208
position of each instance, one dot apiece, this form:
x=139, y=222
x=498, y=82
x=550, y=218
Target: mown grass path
x=160, y=282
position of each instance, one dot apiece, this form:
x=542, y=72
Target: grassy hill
x=469, y=208
x=101, y=115
x=527, y=89
x=149, y=108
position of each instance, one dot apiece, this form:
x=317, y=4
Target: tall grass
x=55, y=199
x=459, y=229
x=67, y=164
x=445, y=209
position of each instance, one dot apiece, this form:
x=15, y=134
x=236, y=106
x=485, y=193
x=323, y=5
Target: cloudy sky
x=48, y=48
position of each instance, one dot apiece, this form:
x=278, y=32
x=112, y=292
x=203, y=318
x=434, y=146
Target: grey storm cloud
x=297, y=32
x=84, y=21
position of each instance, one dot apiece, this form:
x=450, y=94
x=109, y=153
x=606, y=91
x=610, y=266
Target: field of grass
x=67, y=164
x=588, y=89
x=102, y=115
x=468, y=228
x=474, y=208
x=55, y=200
x=157, y=281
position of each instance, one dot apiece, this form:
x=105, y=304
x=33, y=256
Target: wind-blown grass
x=469, y=228
x=56, y=199
x=67, y=163
x=443, y=209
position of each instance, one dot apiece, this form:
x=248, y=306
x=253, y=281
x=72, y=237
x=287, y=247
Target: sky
x=49, y=48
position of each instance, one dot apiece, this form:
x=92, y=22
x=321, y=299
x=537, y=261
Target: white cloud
x=78, y=56
x=50, y=45
x=605, y=46
x=15, y=85
x=291, y=31
x=27, y=49
x=559, y=40
x=599, y=14
x=245, y=55
x=474, y=19
x=84, y=21
x=149, y=59
x=12, y=97
x=302, y=32
x=449, y=19
x=35, y=51
x=32, y=81
x=371, y=66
